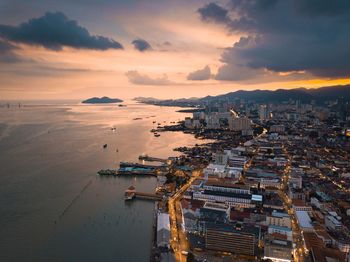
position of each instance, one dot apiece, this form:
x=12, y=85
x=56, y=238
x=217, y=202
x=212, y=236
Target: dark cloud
x=141, y=45
x=212, y=12
x=55, y=30
x=287, y=35
x=139, y=79
x=200, y=75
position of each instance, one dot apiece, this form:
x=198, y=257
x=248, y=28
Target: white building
x=214, y=169
x=304, y=221
x=163, y=230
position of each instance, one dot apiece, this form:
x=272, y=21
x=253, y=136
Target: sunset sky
x=58, y=49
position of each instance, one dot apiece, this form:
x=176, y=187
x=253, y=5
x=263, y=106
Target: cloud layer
x=284, y=36
x=139, y=79
x=6, y=53
x=200, y=75
x=141, y=45
x=55, y=30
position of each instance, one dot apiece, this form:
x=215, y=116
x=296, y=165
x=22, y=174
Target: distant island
x=102, y=100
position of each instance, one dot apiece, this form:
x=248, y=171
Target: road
x=179, y=241
x=300, y=249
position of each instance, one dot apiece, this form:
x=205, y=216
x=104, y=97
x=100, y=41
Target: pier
x=131, y=194
x=152, y=159
x=130, y=164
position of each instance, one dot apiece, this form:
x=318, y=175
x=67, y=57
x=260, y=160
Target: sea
x=53, y=205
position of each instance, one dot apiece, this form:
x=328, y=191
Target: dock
x=130, y=164
x=137, y=171
x=152, y=159
x=131, y=194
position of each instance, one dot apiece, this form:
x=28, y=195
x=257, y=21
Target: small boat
x=107, y=172
x=105, y=146
x=156, y=135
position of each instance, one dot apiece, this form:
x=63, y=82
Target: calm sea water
x=53, y=206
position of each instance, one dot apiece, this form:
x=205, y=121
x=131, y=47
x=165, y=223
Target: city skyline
x=169, y=49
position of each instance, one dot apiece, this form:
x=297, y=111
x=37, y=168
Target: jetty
x=131, y=194
x=130, y=164
x=152, y=159
x=137, y=171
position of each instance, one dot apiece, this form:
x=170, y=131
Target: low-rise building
x=277, y=250
x=163, y=230
x=278, y=219
x=285, y=231
x=238, y=239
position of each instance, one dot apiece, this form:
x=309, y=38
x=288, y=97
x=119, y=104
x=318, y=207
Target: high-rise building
x=240, y=123
x=263, y=113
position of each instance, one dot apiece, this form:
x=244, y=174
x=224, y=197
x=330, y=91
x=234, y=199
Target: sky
x=60, y=49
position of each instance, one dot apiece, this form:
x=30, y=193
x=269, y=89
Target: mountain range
x=319, y=95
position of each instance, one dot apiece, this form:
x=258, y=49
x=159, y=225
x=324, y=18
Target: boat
x=156, y=135
x=107, y=172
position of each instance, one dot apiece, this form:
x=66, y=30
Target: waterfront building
x=212, y=121
x=163, y=230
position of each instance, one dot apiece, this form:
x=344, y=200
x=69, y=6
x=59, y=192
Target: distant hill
x=102, y=100
x=320, y=95
x=305, y=95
